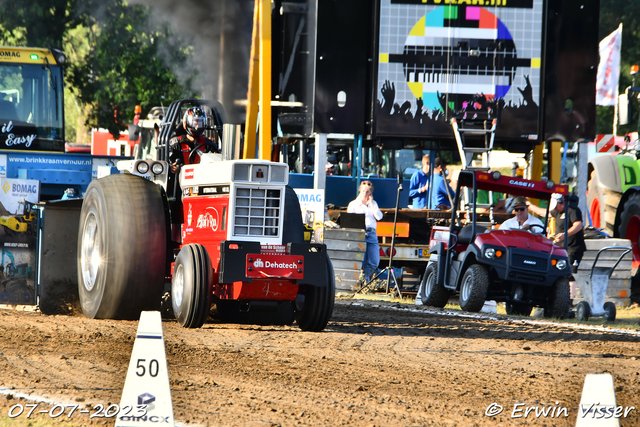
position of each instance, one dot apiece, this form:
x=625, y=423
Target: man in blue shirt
x=419, y=186
x=442, y=188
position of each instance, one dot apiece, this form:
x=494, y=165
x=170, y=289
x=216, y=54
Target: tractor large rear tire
x=630, y=220
x=314, y=306
x=602, y=205
x=293, y=228
x=191, y=291
x=121, y=248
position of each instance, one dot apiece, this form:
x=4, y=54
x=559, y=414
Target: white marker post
x=146, y=397
x=598, y=403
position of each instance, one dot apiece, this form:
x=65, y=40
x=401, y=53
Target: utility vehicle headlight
x=561, y=264
x=490, y=253
x=157, y=168
x=550, y=184
x=142, y=167
x=496, y=175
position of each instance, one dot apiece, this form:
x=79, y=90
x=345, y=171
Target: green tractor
x=613, y=196
x=613, y=201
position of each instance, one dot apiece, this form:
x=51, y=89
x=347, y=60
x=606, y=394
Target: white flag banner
x=609, y=69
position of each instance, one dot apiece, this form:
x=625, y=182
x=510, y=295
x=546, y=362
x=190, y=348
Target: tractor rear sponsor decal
x=188, y=174
x=285, y=266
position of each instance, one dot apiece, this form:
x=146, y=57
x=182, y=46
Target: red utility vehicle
x=522, y=268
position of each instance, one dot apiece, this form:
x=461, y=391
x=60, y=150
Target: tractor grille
x=257, y=212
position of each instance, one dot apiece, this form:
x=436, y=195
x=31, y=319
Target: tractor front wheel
x=191, y=291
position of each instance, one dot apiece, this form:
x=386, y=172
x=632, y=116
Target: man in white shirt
x=523, y=220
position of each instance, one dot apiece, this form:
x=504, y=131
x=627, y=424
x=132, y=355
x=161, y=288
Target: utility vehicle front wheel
x=559, y=299
x=473, y=290
x=432, y=293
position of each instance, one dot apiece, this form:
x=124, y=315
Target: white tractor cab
x=522, y=268
x=227, y=233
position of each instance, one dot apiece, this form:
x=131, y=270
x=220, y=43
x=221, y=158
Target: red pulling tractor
x=228, y=233
x=521, y=268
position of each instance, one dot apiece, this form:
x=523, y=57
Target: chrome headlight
x=561, y=264
x=496, y=175
x=550, y=184
x=157, y=168
x=142, y=167
x=490, y=253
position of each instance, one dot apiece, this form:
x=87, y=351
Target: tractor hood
x=519, y=239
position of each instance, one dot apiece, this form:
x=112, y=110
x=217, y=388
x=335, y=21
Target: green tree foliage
x=612, y=13
x=42, y=23
x=77, y=47
x=126, y=67
x=117, y=56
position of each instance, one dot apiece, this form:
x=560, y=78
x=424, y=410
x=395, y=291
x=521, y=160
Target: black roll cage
x=216, y=117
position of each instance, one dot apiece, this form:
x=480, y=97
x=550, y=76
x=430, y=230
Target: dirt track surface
x=377, y=363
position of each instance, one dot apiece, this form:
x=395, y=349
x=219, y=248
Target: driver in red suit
x=189, y=137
